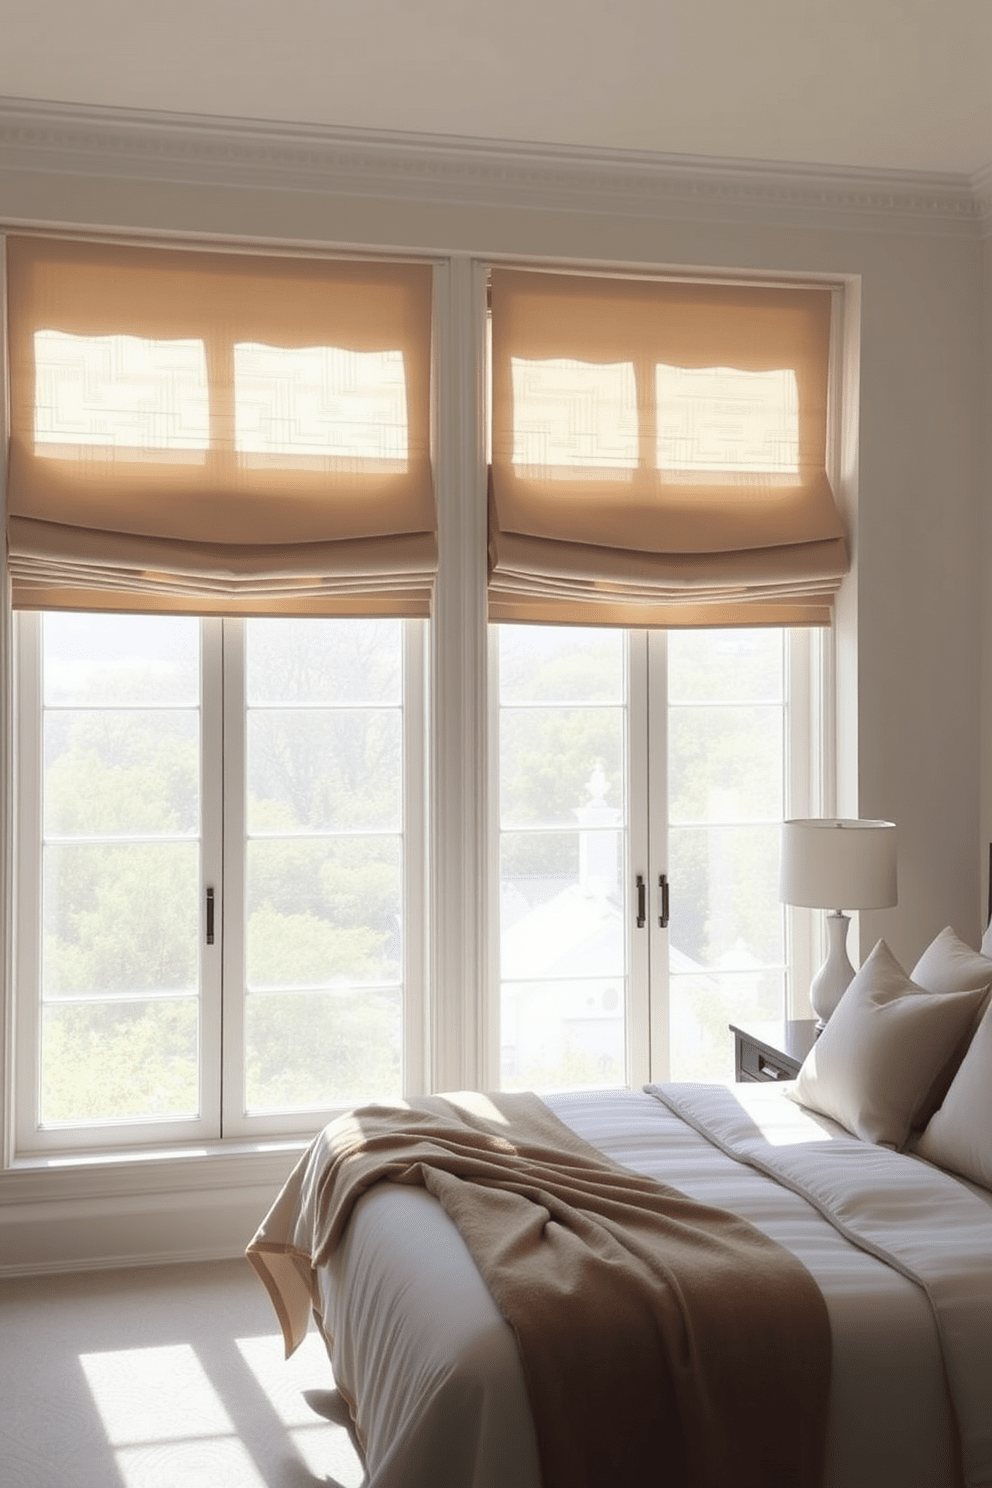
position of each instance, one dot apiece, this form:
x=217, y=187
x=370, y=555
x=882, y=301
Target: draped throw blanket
x=661, y=1340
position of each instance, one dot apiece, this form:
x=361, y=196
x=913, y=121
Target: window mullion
x=212, y=772
x=231, y=791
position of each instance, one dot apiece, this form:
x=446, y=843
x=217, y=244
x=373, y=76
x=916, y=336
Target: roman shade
x=658, y=453
x=218, y=433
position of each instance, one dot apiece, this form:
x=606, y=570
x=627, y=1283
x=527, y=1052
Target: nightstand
x=771, y=1051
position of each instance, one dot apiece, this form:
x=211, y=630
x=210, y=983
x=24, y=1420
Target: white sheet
x=418, y=1346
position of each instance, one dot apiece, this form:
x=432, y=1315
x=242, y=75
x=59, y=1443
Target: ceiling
x=883, y=84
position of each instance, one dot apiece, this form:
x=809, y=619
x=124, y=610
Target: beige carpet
x=171, y=1377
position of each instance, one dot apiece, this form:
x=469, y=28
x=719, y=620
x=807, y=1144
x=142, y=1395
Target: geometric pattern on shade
x=218, y=433
x=659, y=453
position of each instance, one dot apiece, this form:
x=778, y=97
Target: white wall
x=912, y=672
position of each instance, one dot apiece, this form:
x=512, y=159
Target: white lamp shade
x=830, y=863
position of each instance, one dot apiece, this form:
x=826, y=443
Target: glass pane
x=725, y=764
x=308, y=1050
x=123, y=660
x=561, y=765
x=120, y=918
x=563, y=944
x=703, y=1005
x=121, y=773
x=323, y=913
x=562, y=1035
x=567, y=920
x=326, y=769
x=726, y=666
x=320, y=661
x=725, y=912
x=542, y=664
x=120, y=1060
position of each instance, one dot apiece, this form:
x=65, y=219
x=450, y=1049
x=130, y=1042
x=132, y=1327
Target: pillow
x=959, y=1136
x=875, y=1063
x=948, y=965
x=987, y=940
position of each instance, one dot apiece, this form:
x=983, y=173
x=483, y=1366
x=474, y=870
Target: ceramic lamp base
x=834, y=976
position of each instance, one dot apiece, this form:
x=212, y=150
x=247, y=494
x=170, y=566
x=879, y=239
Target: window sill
x=41, y=1177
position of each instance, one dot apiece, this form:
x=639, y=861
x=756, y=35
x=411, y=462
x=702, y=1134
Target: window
x=325, y=774
x=642, y=779
x=219, y=938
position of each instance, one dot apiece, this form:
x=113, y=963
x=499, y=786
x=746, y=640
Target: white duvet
x=433, y=1372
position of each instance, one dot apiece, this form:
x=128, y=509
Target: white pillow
x=948, y=965
x=959, y=1136
x=875, y=1063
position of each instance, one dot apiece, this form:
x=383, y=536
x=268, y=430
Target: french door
x=642, y=780
x=221, y=841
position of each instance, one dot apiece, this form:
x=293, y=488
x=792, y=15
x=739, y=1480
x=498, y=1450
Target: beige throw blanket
x=661, y=1341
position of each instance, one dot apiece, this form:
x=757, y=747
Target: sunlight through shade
x=320, y=400
x=121, y=391
x=574, y=414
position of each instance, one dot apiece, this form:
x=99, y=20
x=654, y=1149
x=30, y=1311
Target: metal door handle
x=642, y=913
x=663, y=886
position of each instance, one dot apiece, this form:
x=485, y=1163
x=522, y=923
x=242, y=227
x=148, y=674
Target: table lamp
x=829, y=862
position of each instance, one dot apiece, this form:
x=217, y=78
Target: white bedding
x=433, y=1372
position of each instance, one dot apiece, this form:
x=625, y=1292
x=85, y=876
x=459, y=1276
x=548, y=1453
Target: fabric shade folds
x=218, y=433
x=658, y=453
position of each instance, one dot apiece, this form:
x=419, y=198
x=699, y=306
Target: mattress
x=432, y=1372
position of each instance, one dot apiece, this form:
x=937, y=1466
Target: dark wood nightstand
x=772, y=1051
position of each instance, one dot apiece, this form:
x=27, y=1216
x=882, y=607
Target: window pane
x=336, y=662
x=563, y=949
x=725, y=666
x=547, y=664
x=323, y=913
x=324, y=769
x=120, y=916
x=117, y=1061
x=324, y=864
x=725, y=764
x=562, y=1035
x=726, y=794
x=103, y=660
x=558, y=765
x=117, y=772
x=308, y=1050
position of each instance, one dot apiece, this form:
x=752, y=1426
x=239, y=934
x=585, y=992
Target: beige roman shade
x=658, y=454
x=218, y=433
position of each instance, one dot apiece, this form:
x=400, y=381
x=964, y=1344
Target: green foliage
x=113, y=1060
x=308, y=1050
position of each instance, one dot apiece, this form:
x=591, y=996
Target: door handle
x=210, y=917
x=642, y=912
x=663, y=886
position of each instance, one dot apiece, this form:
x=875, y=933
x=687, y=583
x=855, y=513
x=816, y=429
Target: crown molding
x=80, y=140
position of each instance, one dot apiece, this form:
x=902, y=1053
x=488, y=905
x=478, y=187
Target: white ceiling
x=887, y=84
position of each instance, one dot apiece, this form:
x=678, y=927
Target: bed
x=903, y=1262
